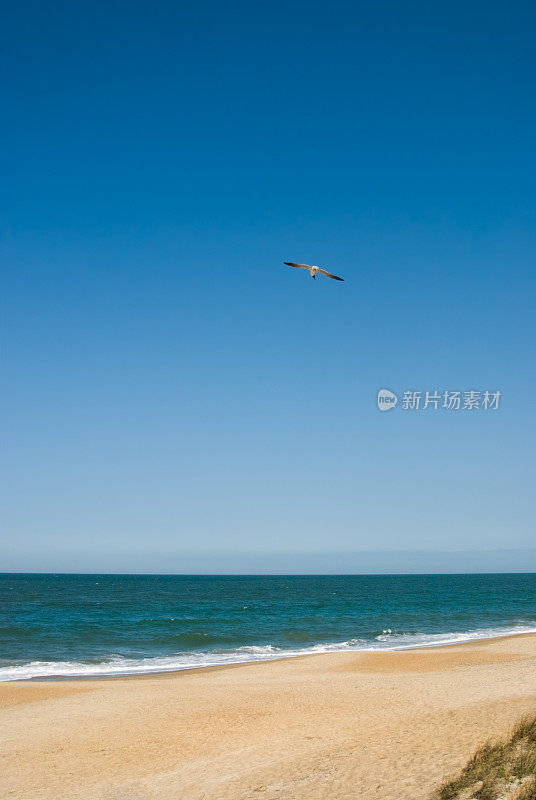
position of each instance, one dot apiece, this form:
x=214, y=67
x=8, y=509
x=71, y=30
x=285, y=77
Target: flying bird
x=313, y=270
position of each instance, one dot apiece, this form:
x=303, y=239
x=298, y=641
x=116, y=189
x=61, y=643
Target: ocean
x=97, y=625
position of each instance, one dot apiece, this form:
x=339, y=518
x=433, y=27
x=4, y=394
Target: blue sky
x=171, y=391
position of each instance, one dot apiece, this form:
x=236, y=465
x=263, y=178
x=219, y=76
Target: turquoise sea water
x=90, y=625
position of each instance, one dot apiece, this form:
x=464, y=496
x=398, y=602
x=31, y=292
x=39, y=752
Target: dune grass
x=504, y=770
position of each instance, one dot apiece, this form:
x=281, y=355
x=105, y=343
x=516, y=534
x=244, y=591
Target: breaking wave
x=117, y=665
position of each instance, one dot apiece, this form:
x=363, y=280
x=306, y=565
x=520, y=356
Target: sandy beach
x=321, y=727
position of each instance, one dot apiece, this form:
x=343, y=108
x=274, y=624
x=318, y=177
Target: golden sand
x=339, y=726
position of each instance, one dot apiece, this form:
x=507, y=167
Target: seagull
x=313, y=270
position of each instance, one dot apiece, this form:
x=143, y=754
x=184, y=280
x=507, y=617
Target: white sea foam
x=119, y=665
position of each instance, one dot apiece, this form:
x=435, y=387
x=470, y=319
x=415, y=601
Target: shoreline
x=368, y=725
x=233, y=664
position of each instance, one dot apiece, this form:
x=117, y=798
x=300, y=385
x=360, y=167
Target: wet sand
x=336, y=726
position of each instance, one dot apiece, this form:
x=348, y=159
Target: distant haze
x=365, y=563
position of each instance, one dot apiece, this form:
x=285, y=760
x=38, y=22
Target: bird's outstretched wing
x=292, y=264
x=335, y=277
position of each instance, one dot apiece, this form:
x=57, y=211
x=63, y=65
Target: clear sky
x=171, y=391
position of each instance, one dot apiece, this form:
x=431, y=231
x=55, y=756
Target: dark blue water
x=116, y=624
